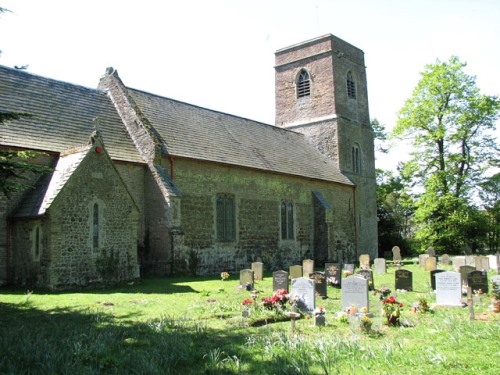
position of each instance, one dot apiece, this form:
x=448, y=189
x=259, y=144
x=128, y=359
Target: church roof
x=193, y=132
x=61, y=116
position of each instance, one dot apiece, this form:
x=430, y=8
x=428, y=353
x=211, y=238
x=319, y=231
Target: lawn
x=195, y=326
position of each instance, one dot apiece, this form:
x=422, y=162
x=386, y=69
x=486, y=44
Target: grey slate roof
x=198, y=133
x=62, y=116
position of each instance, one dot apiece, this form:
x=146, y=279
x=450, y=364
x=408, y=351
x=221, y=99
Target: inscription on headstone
x=433, y=278
x=355, y=292
x=368, y=275
x=258, y=270
x=295, y=272
x=403, y=280
x=304, y=289
x=333, y=273
x=448, y=289
x=380, y=266
x=280, y=280
x=246, y=277
x=307, y=266
x=478, y=281
x=320, y=281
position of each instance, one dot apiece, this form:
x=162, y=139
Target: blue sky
x=219, y=54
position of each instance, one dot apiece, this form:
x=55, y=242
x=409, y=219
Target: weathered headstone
x=482, y=263
x=258, y=270
x=430, y=252
x=280, y=280
x=364, y=261
x=349, y=267
x=246, y=277
x=307, y=266
x=469, y=260
x=433, y=278
x=304, y=289
x=403, y=280
x=458, y=262
x=444, y=260
x=464, y=270
x=368, y=275
x=295, y=272
x=396, y=254
x=430, y=263
x=320, y=281
x=355, y=292
x=333, y=273
x=478, y=281
x=421, y=259
x=494, y=263
x=448, y=289
x=380, y=266
x=495, y=282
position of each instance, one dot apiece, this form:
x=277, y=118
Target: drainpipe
x=355, y=223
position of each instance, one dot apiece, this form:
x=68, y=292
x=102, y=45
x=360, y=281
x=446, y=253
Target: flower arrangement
x=296, y=302
x=247, y=302
x=365, y=324
x=346, y=274
x=351, y=310
x=278, y=300
x=320, y=310
x=392, y=310
x=224, y=275
x=384, y=292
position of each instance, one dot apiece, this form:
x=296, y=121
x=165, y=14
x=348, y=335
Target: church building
x=142, y=184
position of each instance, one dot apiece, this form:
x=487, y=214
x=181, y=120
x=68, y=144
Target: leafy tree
x=490, y=195
x=449, y=123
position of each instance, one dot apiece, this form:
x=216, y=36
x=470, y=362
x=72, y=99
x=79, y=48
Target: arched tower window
x=351, y=86
x=356, y=158
x=303, y=84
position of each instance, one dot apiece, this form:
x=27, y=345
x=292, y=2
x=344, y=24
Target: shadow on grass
x=60, y=341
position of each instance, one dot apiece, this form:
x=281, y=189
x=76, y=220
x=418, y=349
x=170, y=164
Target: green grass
x=195, y=326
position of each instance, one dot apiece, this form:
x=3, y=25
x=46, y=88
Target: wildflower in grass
x=224, y=275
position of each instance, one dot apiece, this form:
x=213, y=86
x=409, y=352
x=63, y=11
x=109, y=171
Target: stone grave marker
x=280, y=280
x=495, y=280
x=403, y=280
x=430, y=263
x=364, y=261
x=421, y=259
x=307, y=266
x=246, y=277
x=478, y=280
x=448, y=289
x=258, y=270
x=320, y=281
x=464, y=270
x=304, y=289
x=433, y=278
x=295, y=272
x=494, y=263
x=444, y=260
x=349, y=267
x=380, y=266
x=368, y=275
x=469, y=260
x=458, y=262
x=482, y=263
x=430, y=251
x=355, y=292
x=396, y=254
x=333, y=273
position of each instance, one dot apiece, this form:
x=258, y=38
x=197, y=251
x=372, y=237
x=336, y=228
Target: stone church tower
x=321, y=91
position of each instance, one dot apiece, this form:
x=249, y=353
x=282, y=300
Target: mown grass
x=195, y=326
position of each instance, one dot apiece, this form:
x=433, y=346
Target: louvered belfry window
x=351, y=86
x=303, y=84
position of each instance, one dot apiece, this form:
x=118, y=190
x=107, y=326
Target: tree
x=450, y=125
x=490, y=195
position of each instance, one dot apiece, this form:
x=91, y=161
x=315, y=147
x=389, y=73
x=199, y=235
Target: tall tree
x=490, y=195
x=450, y=125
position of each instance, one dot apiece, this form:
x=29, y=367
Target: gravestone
x=478, y=280
x=448, y=289
x=364, y=261
x=430, y=263
x=421, y=259
x=355, y=292
x=403, y=280
x=482, y=263
x=396, y=254
x=349, y=267
x=380, y=267
x=444, y=260
x=333, y=274
x=433, y=278
x=320, y=281
x=430, y=252
x=494, y=263
x=280, y=280
x=246, y=277
x=495, y=281
x=469, y=260
x=258, y=270
x=304, y=289
x=295, y=272
x=368, y=275
x=464, y=270
x=307, y=266
x=458, y=262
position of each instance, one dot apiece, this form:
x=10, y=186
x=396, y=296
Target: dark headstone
x=478, y=280
x=368, y=275
x=320, y=281
x=431, y=252
x=464, y=270
x=280, y=280
x=403, y=280
x=333, y=273
x=433, y=278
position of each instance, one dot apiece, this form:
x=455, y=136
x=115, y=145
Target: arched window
x=225, y=210
x=96, y=230
x=351, y=86
x=356, y=158
x=303, y=84
x=287, y=221
x=37, y=242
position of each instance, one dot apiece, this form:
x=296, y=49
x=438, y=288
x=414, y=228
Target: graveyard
x=373, y=316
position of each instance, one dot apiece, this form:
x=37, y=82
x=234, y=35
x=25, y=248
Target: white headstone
x=448, y=288
x=304, y=289
x=458, y=262
x=355, y=292
x=380, y=267
x=493, y=262
x=307, y=266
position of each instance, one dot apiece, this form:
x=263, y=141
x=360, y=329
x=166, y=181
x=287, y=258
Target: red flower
x=247, y=302
x=400, y=305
